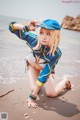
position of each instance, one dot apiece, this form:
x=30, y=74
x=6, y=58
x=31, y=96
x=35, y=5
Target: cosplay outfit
x=42, y=52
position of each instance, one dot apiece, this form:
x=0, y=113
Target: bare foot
x=68, y=85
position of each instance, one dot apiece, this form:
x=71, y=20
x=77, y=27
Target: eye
x=48, y=34
x=41, y=32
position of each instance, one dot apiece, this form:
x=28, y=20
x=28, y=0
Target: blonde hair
x=54, y=41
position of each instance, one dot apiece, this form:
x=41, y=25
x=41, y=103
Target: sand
x=64, y=107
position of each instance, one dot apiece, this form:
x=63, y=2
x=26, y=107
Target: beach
x=14, y=80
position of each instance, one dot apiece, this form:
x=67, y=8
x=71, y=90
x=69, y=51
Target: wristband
x=25, y=28
x=11, y=26
x=32, y=97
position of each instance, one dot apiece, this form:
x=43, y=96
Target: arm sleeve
x=44, y=74
x=29, y=37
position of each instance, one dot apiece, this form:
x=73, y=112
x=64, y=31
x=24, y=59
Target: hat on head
x=50, y=24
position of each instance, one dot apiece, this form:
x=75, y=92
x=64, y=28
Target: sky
x=40, y=9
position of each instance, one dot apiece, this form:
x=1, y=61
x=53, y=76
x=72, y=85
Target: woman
x=43, y=58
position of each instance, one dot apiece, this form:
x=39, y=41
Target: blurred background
x=40, y=9
x=13, y=51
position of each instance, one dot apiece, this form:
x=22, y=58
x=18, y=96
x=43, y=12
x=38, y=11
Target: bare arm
x=18, y=26
x=33, y=96
x=32, y=25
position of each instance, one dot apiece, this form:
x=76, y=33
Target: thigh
x=33, y=73
x=49, y=85
x=33, y=76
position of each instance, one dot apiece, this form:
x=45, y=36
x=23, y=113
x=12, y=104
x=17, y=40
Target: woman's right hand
x=31, y=103
x=32, y=25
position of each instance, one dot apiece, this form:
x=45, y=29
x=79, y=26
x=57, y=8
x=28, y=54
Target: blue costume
x=31, y=41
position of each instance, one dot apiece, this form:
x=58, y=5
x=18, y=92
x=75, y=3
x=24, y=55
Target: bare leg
x=34, y=70
x=33, y=75
x=52, y=91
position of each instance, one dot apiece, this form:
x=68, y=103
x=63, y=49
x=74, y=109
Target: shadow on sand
x=59, y=104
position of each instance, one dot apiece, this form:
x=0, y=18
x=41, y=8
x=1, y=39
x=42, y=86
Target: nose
x=44, y=36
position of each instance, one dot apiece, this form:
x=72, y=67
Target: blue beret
x=50, y=24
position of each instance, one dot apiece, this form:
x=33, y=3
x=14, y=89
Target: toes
x=68, y=85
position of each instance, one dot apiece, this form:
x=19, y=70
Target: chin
x=44, y=43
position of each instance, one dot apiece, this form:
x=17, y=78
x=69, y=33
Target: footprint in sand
x=26, y=116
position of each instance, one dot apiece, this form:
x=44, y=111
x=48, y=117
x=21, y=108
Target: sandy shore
x=64, y=107
x=14, y=83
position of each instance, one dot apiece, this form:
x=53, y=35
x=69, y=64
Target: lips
x=43, y=40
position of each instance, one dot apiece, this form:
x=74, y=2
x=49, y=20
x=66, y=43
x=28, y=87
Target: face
x=44, y=36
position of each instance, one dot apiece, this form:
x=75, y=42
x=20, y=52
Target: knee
x=51, y=94
x=30, y=62
x=48, y=94
x=30, y=59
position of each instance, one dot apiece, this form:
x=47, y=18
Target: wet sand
x=14, y=82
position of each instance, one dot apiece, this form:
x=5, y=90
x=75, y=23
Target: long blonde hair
x=54, y=41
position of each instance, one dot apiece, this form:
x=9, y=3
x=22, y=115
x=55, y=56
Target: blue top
x=31, y=40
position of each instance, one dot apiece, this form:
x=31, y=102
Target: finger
x=34, y=105
x=29, y=105
x=33, y=29
x=35, y=23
